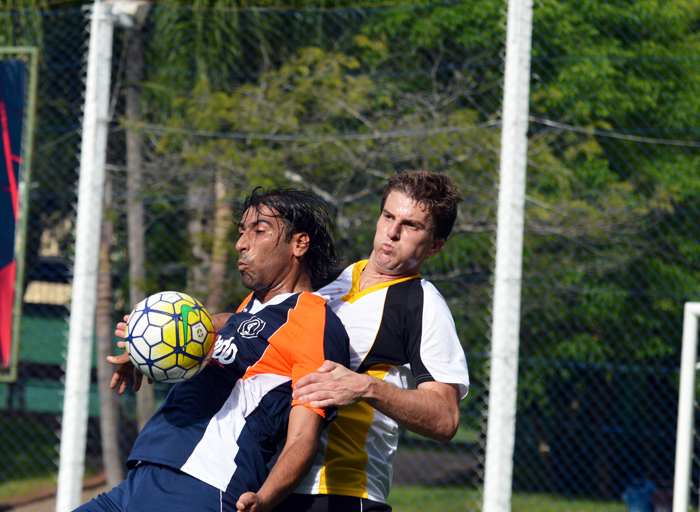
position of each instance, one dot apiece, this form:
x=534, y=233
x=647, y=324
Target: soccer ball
x=170, y=337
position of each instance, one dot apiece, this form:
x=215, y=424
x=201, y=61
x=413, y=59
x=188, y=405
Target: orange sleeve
x=308, y=354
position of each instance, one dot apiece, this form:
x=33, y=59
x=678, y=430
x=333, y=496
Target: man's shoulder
x=317, y=304
x=325, y=326
x=297, y=300
x=429, y=289
x=310, y=299
x=417, y=300
x=412, y=288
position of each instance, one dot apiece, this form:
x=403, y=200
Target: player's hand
x=121, y=327
x=125, y=368
x=250, y=502
x=333, y=386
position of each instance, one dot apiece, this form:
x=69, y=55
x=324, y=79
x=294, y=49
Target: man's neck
x=372, y=275
x=298, y=284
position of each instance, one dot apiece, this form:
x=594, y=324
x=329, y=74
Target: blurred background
x=212, y=98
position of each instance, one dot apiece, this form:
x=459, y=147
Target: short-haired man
x=400, y=329
x=208, y=446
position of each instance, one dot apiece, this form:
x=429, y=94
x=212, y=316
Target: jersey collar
x=355, y=293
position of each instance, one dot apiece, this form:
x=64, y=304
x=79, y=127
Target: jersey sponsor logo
x=251, y=327
x=225, y=350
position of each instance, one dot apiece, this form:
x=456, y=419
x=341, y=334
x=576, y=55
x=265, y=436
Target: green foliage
x=20, y=22
x=319, y=120
x=609, y=61
x=626, y=67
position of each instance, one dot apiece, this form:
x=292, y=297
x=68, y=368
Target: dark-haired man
x=208, y=446
x=400, y=330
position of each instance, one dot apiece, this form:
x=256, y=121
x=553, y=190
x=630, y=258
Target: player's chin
x=247, y=279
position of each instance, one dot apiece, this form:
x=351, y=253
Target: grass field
x=447, y=499
x=13, y=491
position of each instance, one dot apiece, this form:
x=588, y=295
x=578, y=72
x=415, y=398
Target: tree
x=606, y=211
x=619, y=67
x=104, y=322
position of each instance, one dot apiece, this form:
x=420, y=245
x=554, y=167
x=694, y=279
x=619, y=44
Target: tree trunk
x=134, y=75
x=199, y=200
x=219, y=251
x=109, y=408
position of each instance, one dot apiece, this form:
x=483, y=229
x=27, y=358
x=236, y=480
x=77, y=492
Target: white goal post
x=686, y=408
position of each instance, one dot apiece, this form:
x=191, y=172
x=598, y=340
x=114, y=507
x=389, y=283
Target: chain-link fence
x=208, y=104
x=31, y=406
x=611, y=247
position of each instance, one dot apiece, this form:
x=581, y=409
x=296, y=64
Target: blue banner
x=12, y=94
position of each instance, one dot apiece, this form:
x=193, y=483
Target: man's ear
x=438, y=245
x=300, y=244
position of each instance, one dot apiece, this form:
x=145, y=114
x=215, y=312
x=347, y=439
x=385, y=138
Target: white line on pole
x=686, y=408
x=500, y=434
x=89, y=220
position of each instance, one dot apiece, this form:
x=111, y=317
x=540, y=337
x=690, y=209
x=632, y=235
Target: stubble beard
x=248, y=281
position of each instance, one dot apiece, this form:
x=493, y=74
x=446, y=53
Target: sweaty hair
x=434, y=191
x=301, y=212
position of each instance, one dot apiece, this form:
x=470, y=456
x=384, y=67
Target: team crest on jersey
x=251, y=327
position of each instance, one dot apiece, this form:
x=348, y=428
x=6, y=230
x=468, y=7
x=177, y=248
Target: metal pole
x=26, y=176
x=500, y=434
x=23, y=210
x=686, y=408
x=89, y=219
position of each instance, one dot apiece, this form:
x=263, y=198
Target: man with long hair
x=208, y=446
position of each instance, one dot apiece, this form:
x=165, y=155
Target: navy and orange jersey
x=224, y=425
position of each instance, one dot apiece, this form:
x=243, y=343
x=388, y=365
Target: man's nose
x=241, y=244
x=394, y=230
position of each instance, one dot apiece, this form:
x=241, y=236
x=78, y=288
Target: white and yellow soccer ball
x=170, y=337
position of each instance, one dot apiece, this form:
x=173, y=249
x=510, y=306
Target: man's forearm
x=291, y=466
x=296, y=457
x=432, y=410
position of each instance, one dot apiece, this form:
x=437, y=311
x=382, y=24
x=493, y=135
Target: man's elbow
x=445, y=428
x=445, y=420
x=450, y=430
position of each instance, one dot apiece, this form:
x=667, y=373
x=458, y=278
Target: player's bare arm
x=432, y=410
x=303, y=434
x=219, y=320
